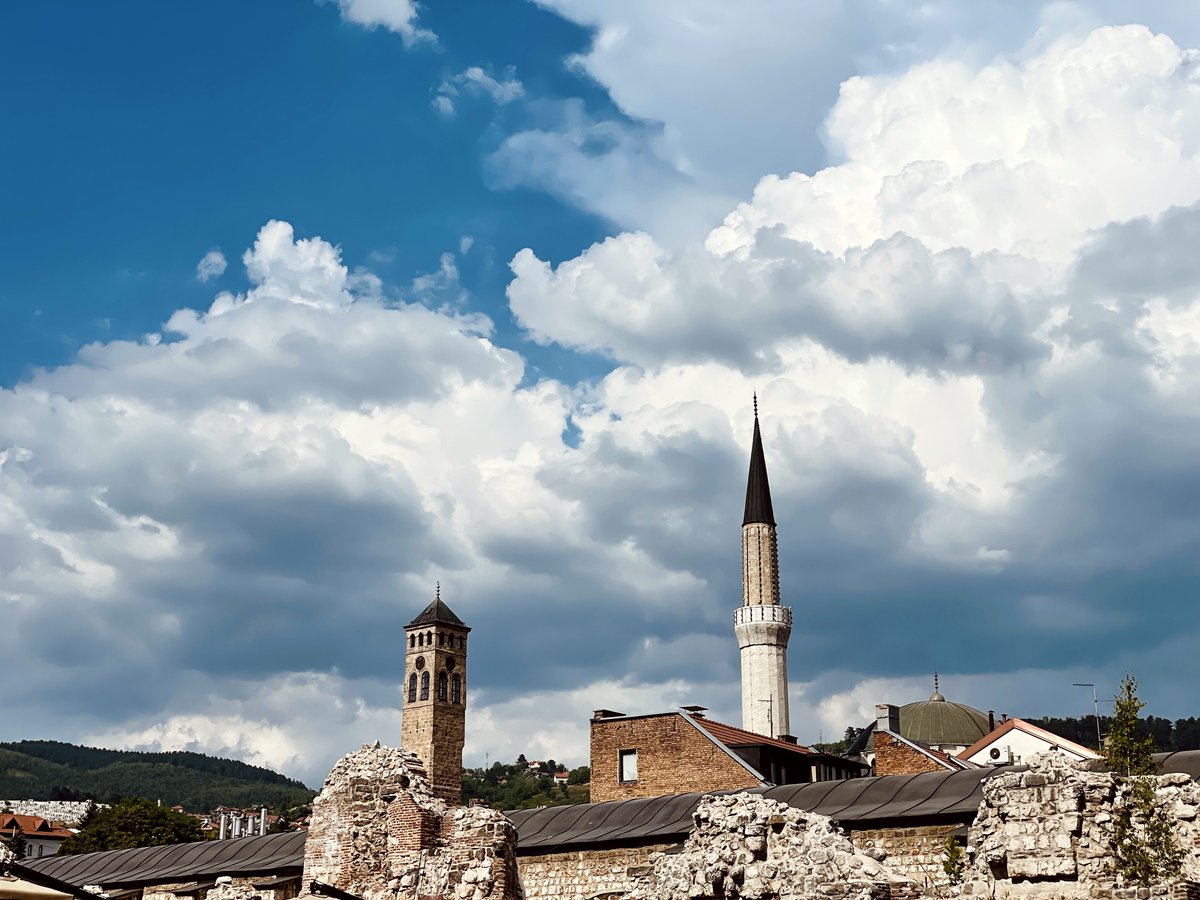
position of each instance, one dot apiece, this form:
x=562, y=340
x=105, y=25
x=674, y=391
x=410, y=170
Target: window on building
x=456, y=688
x=442, y=686
x=627, y=765
x=412, y=640
x=441, y=640
x=424, y=685
x=412, y=687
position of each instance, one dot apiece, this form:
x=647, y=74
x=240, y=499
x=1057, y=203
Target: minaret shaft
x=760, y=565
x=761, y=624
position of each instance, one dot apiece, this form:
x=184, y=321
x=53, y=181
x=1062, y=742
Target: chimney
x=788, y=738
x=697, y=711
x=606, y=714
x=262, y=821
x=991, y=720
x=887, y=718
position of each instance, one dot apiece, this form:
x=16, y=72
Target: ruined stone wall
x=913, y=853
x=749, y=847
x=673, y=758
x=1048, y=831
x=582, y=874
x=242, y=888
x=377, y=831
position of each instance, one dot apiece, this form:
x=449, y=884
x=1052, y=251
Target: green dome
x=937, y=722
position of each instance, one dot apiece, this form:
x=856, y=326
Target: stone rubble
x=750, y=847
x=378, y=832
x=1051, y=828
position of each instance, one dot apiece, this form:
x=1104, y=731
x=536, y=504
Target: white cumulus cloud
x=399, y=16
x=212, y=265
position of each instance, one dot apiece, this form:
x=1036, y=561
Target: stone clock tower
x=435, y=695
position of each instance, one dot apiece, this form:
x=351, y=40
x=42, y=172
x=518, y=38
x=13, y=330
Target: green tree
x=1144, y=849
x=133, y=823
x=1126, y=751
x=17, y=843
x=954, y=861
x=582, y=775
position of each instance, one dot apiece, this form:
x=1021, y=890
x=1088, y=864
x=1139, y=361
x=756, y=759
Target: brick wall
x=893, y=757
x=580, y=874
x=914, y=853
x=673, y=758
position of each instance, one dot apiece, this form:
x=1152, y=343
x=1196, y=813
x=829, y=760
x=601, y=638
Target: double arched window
x=442, y=686
x=456, y=688
x=412, y=687
x=424, y=685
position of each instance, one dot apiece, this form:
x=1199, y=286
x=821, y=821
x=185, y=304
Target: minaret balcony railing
x=763, y=613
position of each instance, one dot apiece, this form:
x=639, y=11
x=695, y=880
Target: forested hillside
x=50, y=769
x=1182, y=734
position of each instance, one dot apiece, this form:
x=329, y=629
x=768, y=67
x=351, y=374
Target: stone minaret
x=435, y=695
x=762, y=626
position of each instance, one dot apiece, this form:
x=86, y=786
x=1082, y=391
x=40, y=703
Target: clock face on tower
x=420, y=663
x=450, y=664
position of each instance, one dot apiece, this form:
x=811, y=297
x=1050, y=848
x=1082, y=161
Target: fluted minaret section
x=761, y=624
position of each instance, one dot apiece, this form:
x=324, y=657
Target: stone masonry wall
x=894, y=757
x=583, y=874
x=1047, y=832
x=377, y=831
x=673, y=758
x=913, y=853
x=749, y=847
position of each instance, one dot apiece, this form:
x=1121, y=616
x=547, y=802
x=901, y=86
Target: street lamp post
x=1095, y=711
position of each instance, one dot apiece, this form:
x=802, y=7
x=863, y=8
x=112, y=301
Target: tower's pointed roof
x=758, y=488
x=437, y=613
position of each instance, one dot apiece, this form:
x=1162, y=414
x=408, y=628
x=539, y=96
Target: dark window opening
x=412, y=687
x=456, y=689
x=424, y=685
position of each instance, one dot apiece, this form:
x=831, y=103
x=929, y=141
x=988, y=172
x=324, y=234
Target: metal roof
x=758, y=489
x=437, y=613
x=178, y=862
x=854, y=801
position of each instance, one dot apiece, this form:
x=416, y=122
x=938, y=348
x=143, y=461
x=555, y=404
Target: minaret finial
x=756, y=404
x=935, y=683
x=438, y=593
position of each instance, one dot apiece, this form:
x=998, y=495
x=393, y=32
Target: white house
x=1016, y=740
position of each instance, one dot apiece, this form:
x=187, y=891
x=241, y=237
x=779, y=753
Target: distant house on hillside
x=42, y=837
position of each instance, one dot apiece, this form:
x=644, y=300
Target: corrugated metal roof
x=178, y=862
x=855, y=803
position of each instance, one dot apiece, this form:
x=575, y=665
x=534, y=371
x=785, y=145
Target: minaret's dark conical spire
x=758, y=489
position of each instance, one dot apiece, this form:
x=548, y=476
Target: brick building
x=678, y=752
x=435, y=695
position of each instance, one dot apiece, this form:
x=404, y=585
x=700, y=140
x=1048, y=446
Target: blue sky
x=310, y=305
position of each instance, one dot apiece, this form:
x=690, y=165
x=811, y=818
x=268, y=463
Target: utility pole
x=1095, y=711
x=770, y=716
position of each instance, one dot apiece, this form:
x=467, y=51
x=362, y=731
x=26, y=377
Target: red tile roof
x=738, y=737
x=34, y=826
